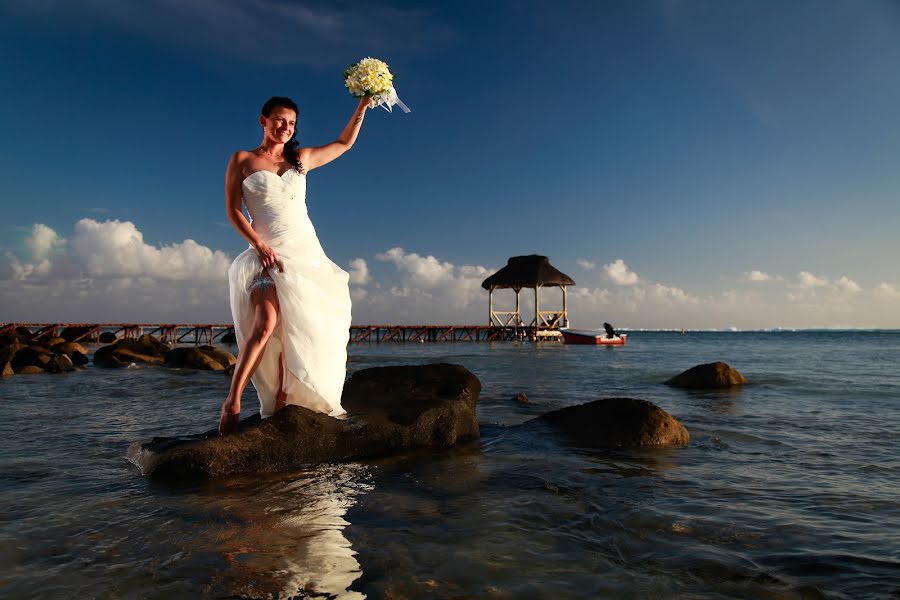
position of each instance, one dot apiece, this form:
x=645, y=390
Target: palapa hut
x=532, y=271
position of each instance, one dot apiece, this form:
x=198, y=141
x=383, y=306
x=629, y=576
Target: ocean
x=790, y=487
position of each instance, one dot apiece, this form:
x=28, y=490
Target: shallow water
x=789, y=488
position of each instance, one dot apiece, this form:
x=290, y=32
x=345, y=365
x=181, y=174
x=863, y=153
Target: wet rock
x=390, y=410
x=229, y=338
x=616, y=423
x=29, y=370
x=229, y=370
x=711, y=375
x=7, y=370
x=207, y=358
x=31, y=356
x=23, y=331
x=145, y=350
x=54, y=341
x=107, y=337
x=59, y=363
x=75, y=351
x=521, y=398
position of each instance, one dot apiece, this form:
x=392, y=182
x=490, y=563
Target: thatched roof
x=527, y=271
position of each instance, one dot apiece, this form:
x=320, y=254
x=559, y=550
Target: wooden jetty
x=191, y=333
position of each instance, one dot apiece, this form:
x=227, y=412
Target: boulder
x=390, y=410
x=616, y=423
x=7, y=370
x=107, y=337
x=521, y=398
x=10, y=344
x=207, y=358
x=54, y=341
x=146, y=349
x=708, y=376
x=31, y=356
x=229, y=338
x=29, y=370
x=75, y=351
x=23, y=331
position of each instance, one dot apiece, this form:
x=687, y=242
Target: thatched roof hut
x=532, y=271
x=527, y=271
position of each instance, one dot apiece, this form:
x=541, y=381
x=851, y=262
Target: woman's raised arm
x=312, y=158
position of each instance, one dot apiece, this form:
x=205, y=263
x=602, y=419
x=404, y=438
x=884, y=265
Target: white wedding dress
x=313, y=295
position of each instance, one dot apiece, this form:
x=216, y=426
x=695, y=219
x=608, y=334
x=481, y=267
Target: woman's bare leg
x=265, y=304
x=281, y=398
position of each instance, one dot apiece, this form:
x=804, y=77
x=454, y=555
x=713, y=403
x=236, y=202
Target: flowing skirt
x=312, y=331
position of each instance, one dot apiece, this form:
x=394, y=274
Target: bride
x=290, y=303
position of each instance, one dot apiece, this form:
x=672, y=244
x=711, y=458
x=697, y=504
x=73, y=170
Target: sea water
x=790, y=487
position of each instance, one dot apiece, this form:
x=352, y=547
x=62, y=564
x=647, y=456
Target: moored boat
x=595, y=337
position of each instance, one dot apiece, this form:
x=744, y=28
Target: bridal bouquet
x=370, y=78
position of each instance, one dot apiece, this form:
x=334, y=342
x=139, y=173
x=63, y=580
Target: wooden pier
x=192, y=333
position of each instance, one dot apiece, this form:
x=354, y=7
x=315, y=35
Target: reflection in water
x=285, y=537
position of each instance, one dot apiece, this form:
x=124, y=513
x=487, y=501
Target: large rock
x=616, y=423
x=75, y=351
x=208, y=358
x=7, y=370
x=107, y=337
x=390, y=409
x=711, y=375
x=146, y=349
x=229, y=338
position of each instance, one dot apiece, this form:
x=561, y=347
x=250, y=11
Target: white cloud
x=105, y=270
x=847, y=285
x=756, y=276
x=888, y=291
x=359, y=272
x=617, y=272
x=42, y=241
x=586, y=264
x=808, y=280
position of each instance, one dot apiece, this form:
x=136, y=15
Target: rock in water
x=712, y=375
x=617, y=423
x=390, y=409
x=145, y=349
x=207, y=358
x=229, y=338
x=107, y=337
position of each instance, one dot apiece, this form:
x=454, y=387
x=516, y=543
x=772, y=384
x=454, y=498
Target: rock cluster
x=21, y=355
x=708, y=376
x=144, y=350
x=390, y=409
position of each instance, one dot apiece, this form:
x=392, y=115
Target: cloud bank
x=105, y=271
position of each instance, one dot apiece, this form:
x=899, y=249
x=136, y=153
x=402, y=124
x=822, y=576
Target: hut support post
x=518, y=313
x=491, y=306
x=565, y=315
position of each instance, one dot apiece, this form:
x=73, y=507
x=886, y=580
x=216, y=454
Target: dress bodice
x=277, y=205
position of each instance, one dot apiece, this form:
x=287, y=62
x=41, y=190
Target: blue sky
x=695, y=142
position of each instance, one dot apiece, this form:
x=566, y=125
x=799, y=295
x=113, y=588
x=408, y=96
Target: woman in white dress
x=290, y=303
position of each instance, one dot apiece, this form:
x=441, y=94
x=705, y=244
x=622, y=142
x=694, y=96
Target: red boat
x=593, y=337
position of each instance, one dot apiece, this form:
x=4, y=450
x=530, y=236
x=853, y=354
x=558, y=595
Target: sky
x=697, y=164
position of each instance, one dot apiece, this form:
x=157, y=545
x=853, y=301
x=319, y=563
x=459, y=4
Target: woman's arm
x=312, y=158
x=234, y=177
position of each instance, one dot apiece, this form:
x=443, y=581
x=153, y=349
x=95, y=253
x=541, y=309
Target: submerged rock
x=616, y=423
x=711, y=375
x=145, y=349
x=521, y=398
x=390, y=409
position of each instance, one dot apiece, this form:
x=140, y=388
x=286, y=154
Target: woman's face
x=280, y=124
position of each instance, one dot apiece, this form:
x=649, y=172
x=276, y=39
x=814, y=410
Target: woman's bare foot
x=229, y=418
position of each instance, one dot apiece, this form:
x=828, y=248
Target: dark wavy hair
x=292, y=147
